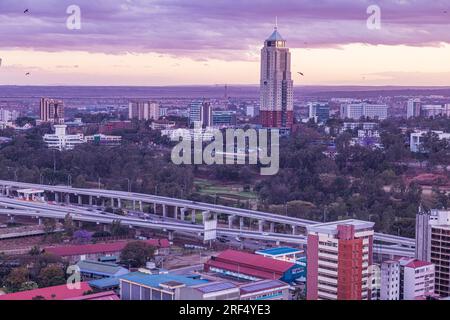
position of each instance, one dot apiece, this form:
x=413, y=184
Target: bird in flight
x=301, y=73
x=26, y=11
x=28, y=74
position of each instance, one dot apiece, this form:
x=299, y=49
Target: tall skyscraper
x=413, y=108
x=339, y=258
x=433, y=245
x=52, y=110
x=200, y=112
x=143, y=110
x=276, y=86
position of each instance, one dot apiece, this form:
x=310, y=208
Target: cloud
x=217, y=29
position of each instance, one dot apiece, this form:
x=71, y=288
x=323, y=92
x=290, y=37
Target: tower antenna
x=276, y=22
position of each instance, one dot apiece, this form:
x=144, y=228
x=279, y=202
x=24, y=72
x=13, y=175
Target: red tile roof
x=417, y=264
x=100, y=248
x=108, y=295
x=251, y=264
x=61, y=292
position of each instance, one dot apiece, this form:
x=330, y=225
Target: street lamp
x=15, y=174
x=41, y=178
x=69, y=180
x=99, y=185
x=129, y=184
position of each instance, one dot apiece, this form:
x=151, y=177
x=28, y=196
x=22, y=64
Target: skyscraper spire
x=276, y=23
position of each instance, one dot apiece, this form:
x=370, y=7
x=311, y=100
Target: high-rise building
x=200, y=112
x=433, y=245
x=143, y=110
x=319, y=112
x=365, y=110
x=339, y=258
x=390, y=280
x=8, y=115
x=413, y=108
x=52, y=110
x=276, y=86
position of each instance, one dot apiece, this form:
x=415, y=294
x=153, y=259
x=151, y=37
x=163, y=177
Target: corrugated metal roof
x=254, y=261
x=262, y=285
x=61, y=292
x=100, y=247
x=103, y=268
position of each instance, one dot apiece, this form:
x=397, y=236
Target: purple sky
x=216, y=28
x=226, y=30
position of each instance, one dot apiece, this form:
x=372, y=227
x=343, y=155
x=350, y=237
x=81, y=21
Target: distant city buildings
x=433, y=245
x=162, y=125
x=52, y=111
x=143, y=110
x=364, y=110
x=414, y=108
x=435, y=110
x=251, y=111
x=417, y=138
x=223, y=119
x=390, y=280
x=8, y=115
x=339, y=255
x=111, y=126
x=200, y=112
x=276, y=85
x=319, y=111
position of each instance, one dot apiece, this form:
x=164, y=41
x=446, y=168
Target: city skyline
x=137, y=43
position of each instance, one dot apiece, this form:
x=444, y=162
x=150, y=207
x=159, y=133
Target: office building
x=60, y=140
x=364, y=110
x=414, y=107
x=143, y=110
x=417, y=137
x=223, y=119
x=276, y=85
x=104, y=140
x=435, y=110
x=319, y=112
x=339, y=255
x=52, y=111
x=200, y=112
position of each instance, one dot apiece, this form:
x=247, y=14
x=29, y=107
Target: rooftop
x=155, y=280
x=117, y=246
x=262, y=285
x=104, y=283
x=102, y=268
x=61, y=292
x=331, y=227
x=275, y=36
x=279, y=251
x=215, y=287
x=108, y=295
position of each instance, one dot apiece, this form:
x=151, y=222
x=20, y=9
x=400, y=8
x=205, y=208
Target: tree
x=16, y=278
x=49, y=226
x=82, y=236
x=117, y=229
x=52, y=275
x=137, y=253
x=35, y=251
x=28, y=285
x=69, y=226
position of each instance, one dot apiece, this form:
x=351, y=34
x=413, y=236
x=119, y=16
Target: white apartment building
x=390, y=280
x=416, y=139
x=417, y=279
x=366, y=110
x=413, y=108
